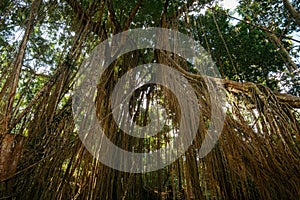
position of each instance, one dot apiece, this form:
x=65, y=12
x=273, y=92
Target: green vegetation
x=42, y=46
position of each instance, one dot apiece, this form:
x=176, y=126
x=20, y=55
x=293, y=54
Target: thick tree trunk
x=10, y=153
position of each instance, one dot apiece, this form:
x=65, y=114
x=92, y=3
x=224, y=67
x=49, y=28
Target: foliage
x=257, y=156
x=242, y=52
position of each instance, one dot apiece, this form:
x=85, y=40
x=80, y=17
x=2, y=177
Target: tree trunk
x=10, y=153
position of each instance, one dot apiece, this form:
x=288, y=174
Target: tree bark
x=11, y=83
x=10, y=153
x=295, y=14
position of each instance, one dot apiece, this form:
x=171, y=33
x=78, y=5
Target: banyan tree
x=44, y=46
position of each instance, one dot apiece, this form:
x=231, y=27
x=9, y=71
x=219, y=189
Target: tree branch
x=163, y=17
x=295, y=14
x=94, y=26
x=13, y=80
x=132, y=14
x=113, y=17
x=184, y=8
x=291, y=65
x=236, y=87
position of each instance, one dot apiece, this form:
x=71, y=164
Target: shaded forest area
x=43, y=44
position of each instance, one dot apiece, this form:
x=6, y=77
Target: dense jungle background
x=255, y=47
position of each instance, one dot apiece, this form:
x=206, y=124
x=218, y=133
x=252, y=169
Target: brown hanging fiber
x=256, y=157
